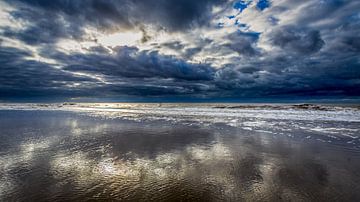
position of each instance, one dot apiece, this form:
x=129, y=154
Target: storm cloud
x=298, y=40
x=50, y=20
x=20, y=77
x=206, y=49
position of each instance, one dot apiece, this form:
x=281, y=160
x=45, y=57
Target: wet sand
x=71, y=156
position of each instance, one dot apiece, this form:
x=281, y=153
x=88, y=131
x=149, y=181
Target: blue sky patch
x=241, y=5
x=262, y=4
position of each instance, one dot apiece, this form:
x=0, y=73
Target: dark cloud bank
x=308, y=59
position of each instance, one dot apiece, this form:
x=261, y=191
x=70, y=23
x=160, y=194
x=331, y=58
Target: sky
x=179, y=49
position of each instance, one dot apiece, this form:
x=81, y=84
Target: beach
x=179, y=152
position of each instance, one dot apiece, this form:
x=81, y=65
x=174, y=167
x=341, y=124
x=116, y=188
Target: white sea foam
x=276, y=119
x=206, y=111
x=202, y=112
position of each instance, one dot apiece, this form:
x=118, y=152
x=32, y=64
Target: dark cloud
x=317, y=54
x=21, y=77
x=318, y=10
x=43, y=28
x=51, y=20
x=129, y=62
x=300, y=40
x=190, y=52
x=244, y=43
x=126, y=72
x=176, y=14
x=352, y=43
x=130, y=72
x=346, y=38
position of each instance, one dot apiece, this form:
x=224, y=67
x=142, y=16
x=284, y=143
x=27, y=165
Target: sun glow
x=121, y=39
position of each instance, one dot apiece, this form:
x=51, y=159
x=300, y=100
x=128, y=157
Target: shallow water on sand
x=72, y=156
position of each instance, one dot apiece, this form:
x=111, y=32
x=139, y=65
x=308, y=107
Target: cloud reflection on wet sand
x=87, y=158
